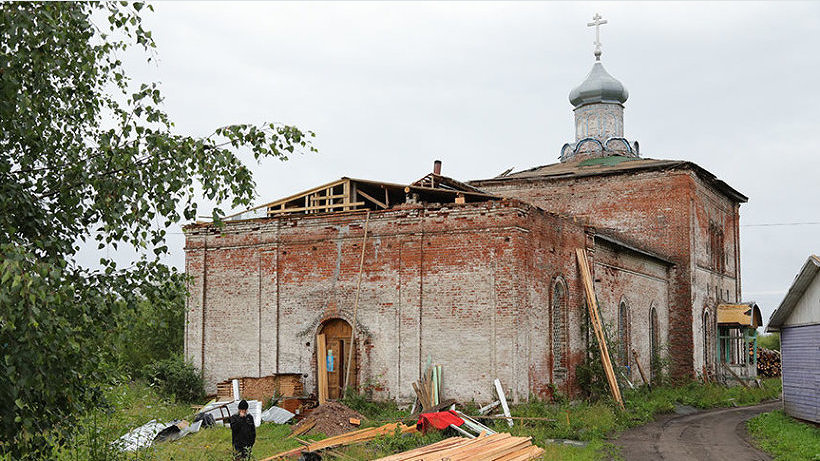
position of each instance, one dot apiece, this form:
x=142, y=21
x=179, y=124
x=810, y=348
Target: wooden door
x=337, y=334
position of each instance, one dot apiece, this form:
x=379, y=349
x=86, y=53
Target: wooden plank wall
x=800, y=349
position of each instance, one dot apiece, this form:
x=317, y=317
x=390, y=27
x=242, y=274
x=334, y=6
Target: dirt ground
x=332, y=418
x=714, y=435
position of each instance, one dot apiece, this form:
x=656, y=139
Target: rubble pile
x=332, y=418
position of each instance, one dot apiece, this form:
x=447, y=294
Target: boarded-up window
x=623, y=334
x=654, y=352
x=707, y=340
x=717, y=253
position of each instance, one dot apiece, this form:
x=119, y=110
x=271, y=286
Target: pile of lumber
x=768, y=363
x=350, y=438
x=224, y=390
x=263, y=388
x=486, y=448
x=428, y=388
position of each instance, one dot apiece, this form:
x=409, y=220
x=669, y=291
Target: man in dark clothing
x=243, y=432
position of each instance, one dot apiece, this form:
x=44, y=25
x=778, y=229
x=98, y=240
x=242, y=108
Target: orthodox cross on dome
x=597, y=23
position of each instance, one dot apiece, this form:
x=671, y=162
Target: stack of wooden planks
x=485, y=448
x=428, y=388
x=262, y=389
x=224, y=390
x=350, y=438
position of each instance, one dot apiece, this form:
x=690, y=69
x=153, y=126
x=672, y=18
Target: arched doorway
x=338, y=353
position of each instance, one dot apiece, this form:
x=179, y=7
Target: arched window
x=623, y=333
x=654, y=352
x=559, y=328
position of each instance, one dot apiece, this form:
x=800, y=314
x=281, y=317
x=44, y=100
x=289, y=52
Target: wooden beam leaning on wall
x=352, y=342
x=595, y=319
x=640, y=369
x=321, y=367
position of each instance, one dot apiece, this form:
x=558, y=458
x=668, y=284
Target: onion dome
x=599, y=87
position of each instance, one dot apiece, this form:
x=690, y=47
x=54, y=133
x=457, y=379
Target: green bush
x=376, y=410
x=152, y=328
x=770, y=341
x=176, y=377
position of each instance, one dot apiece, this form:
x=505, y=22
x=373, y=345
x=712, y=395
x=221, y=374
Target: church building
x=480, y=277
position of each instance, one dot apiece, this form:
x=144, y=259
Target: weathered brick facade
x=471, y=286
x=674, y=209
x=481, y=277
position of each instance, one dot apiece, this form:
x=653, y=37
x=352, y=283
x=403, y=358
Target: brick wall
x=641, y=283
x=667, y=212
x=470, y=286
x=466, y=285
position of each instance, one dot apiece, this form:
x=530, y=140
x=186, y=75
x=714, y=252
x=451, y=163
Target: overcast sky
x=389, y=87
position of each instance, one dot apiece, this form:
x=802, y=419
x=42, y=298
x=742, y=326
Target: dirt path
x=715, y=435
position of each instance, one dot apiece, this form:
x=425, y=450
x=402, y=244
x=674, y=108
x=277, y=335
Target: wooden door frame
x=350, y=350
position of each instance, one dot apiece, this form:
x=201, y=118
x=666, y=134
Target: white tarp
x=277, y=415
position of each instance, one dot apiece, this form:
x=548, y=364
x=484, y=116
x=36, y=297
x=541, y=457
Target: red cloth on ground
x=440, y=420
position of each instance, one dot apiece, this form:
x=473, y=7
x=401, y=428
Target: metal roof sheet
x=799, y=286
x=609, y=166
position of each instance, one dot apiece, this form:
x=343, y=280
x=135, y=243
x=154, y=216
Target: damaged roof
x=613, y=240
x=611, y=165
x=348, y=194
x=739, y=315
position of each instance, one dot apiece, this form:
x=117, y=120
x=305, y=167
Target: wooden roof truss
x=348, y=194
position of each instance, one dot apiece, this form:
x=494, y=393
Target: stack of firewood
x=768, y=363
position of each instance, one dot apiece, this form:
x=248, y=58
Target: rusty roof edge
x=659, y=165
x=512, y=176
x=798, y=287
x=618, y=242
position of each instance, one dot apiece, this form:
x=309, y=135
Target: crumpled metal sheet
x=277, y=415
x=140, y=437
x=145, y=435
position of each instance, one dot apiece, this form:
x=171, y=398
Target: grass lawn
x=132, y=405
x=785, y=437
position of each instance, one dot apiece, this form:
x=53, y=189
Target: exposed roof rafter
x=349, y=194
